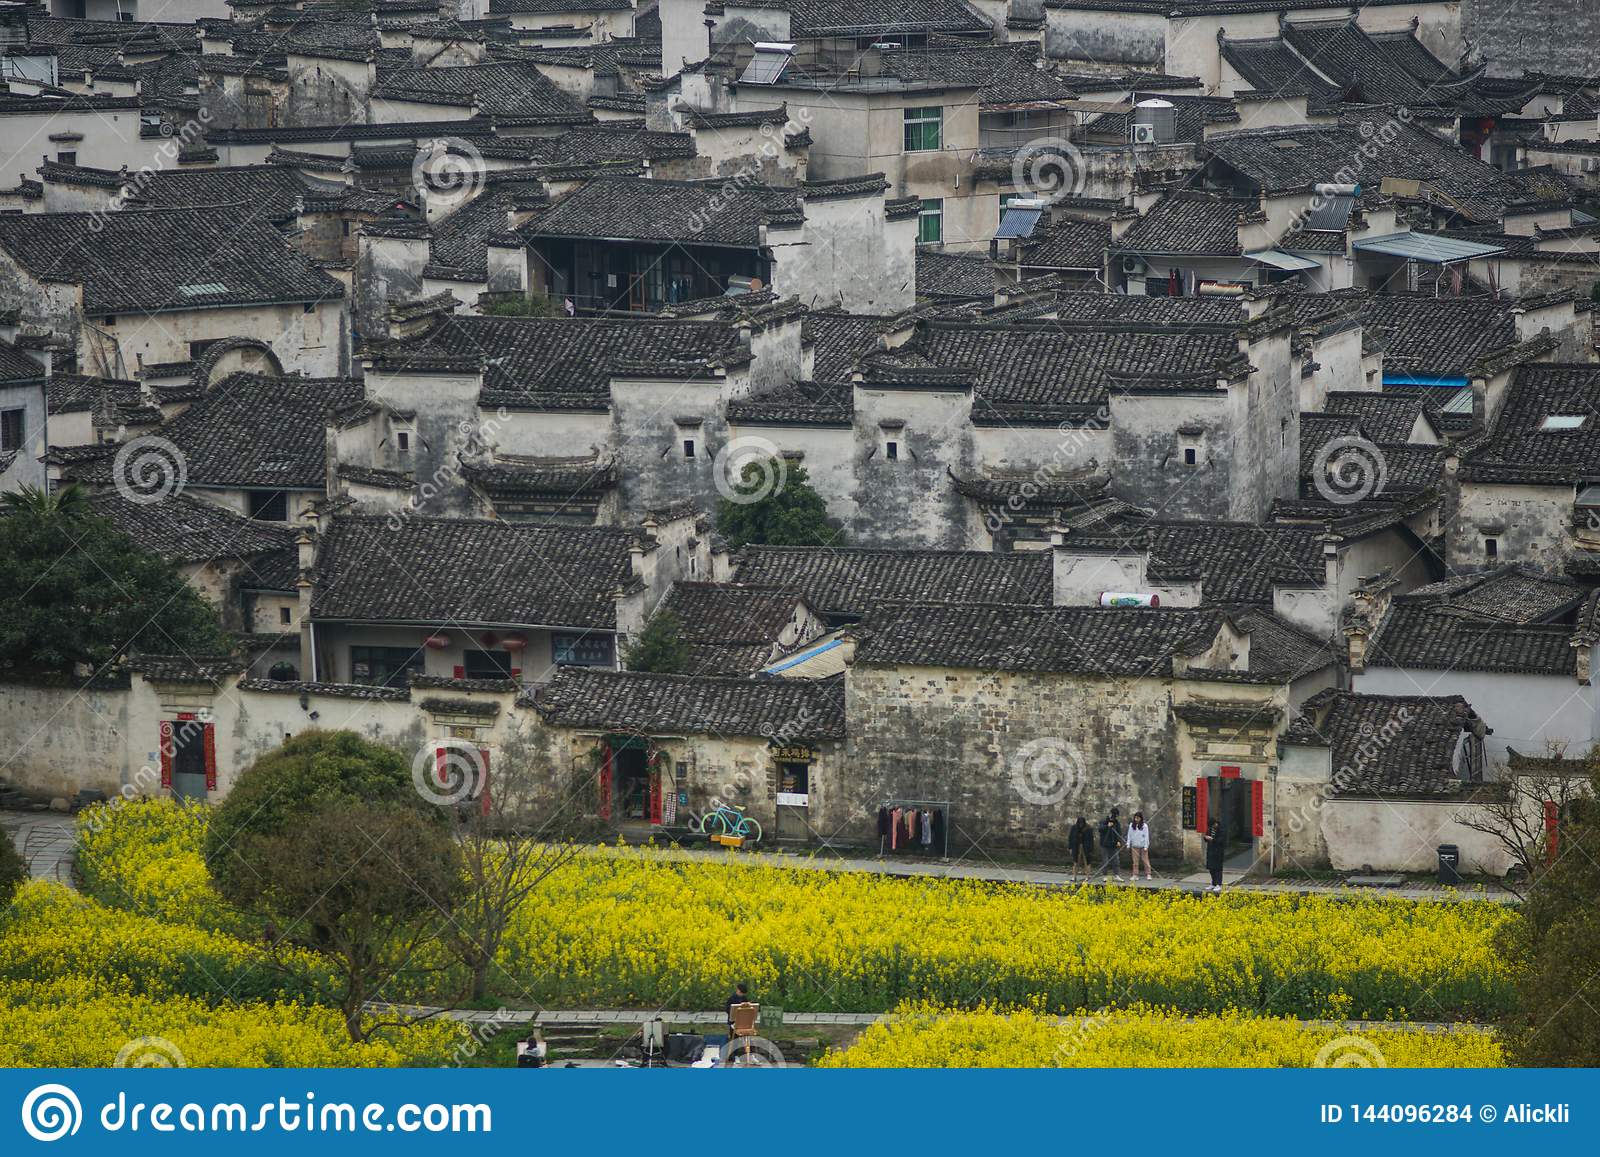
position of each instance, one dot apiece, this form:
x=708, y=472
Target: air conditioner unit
x=1132, y=265
x=1144, y=134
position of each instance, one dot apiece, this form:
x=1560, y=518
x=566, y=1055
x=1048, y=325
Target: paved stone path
x=47, y=841
x=1052, y=877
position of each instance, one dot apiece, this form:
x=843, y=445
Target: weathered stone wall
x=1538, y=35
x=909, y=499
x=986, y=741
x=1530, y=524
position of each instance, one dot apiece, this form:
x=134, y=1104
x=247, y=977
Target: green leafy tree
x=77, y=590
x=774, y=504
x=13, y=869
x=659, y=647
x=331, y=847
x=1553, y=948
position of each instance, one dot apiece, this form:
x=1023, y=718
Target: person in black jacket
x=1216, y=852
x=1111, y=844
x=1080, y=846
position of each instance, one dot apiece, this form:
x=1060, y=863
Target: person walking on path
x=1216, y=852
x=1138, y=839
x=1111, y=845
x=1080, y=846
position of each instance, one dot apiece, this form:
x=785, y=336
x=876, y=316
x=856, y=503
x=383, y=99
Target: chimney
x=330, y=455
x=1330, y=557
x=1583, y=652
x=305, y=544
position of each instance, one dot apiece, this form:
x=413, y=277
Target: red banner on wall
x=211, y=756
x=605, y=781
x=166, y=753
x=1202, y=804
x=1258, y=818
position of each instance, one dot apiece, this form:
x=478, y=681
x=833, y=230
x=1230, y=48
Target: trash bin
x=1449, y=864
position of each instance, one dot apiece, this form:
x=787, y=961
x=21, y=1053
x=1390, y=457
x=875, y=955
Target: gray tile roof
x=1299, y=157
x=1188, y=221
x=1388, y=745
x=798, y=404
x=568, y=363
x=1508, y=621
x=843, y=582
x=1113, y=642
x=954, y=276
x=181, y=529
x=840, y=341
x=647, y=704
x=1068, y=245
x=1234, y=562
x=470, y=571
x=1384, y=417
x=165, y=259
x=690, y=212
x=514, y=89
x=1138, y=309
x=729, y=628
x=252, y=431
x=1419, y=333
x=1518, y=450
x=1038, y=371
x=811, y=19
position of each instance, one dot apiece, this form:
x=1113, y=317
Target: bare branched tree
x=512, y=838
x=1513, y=809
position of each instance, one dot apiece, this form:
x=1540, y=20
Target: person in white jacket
x=1138, y=841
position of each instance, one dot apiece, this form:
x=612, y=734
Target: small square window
x=308, y=307
x=1190, y=457
x=688, y=447
x=1491, y=547
x=269, y=506
x=109, y=319
x=923, y=129
x=283, y=615
x=11, y=429
x=891, y=451
x=66, y=158
x=403, y=440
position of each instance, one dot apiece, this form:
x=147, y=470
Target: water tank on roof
x=1154, y=121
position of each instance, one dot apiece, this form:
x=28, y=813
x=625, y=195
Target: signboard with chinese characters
x=793, y=753
x=794, y=799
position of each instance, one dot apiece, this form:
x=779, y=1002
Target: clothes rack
x=941, y=805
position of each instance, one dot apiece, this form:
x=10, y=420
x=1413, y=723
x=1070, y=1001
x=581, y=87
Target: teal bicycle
x=726, y=820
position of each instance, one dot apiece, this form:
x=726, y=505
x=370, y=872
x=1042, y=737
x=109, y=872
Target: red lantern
x=436, y=642
x=514, y=642
x=489, y=639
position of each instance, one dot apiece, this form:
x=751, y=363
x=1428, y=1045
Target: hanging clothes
x=927, y=829
x=883, y=822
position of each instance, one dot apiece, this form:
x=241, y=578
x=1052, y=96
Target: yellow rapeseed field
x=633, y=927
x=928, y=1037
x=80, y=982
